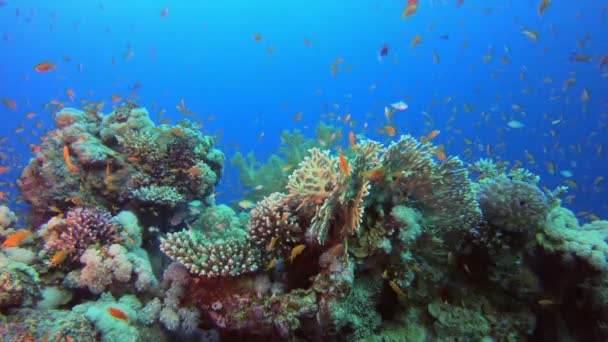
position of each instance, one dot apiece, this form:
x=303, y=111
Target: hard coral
x=561, y=233
x=19, y=285
x=274, y=226
x=441, y=191
x=81, y=228
x=110, y=160
x=230, y=255
x=512, y=205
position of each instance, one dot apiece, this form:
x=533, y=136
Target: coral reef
x=365, y=243
x=109, y=161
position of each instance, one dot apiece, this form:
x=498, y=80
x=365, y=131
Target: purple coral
x=81, y=228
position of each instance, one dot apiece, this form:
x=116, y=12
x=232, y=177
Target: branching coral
x=81, y=228
x=273, y=226
x=226, y=253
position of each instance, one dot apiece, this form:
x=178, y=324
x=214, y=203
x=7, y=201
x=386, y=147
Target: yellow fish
x=297, y=250
x=397, y=289
x=271, y=264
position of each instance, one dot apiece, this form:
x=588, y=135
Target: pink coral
x=81, y=228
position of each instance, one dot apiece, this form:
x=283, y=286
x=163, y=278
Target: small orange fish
x=68, y=161
x=45, y=67
x=375, y=174
x=195, y=171
x=412, y=7
x=351, y=139
x=434, y=133
x=440, y=155
x=16, y=239
x=390, y=130
x=257, y=37
x=9, y=103
x=117, y=313
x=116, y=98
x=4, y=169
x=59, y=257
x=544, y=4
x=344, y=165
x=70, y=94
x=417, y=40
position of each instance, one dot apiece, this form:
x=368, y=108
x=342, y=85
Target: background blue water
x=204, y=53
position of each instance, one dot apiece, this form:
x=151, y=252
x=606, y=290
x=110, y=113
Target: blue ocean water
x=472, y=73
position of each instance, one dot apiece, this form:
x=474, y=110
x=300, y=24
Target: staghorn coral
x=81, y=228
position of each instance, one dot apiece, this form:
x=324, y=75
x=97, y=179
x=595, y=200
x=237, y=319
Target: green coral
x=19, y=284
x=355, y=316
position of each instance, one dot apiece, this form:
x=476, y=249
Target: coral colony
x=395, y=242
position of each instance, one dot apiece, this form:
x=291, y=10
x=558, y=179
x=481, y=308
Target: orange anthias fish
x=4, y=169
x=68, y=161
x=412, y=7
x=117, y=313
x=544, y=4
x=9, y=103
x=434, y=133
x=344, y=165
x=45, y=67
x=16, y=239
x=70, y=94
x=351, y=139
x=59, y=257
x=390, y=130
x=416, y=41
